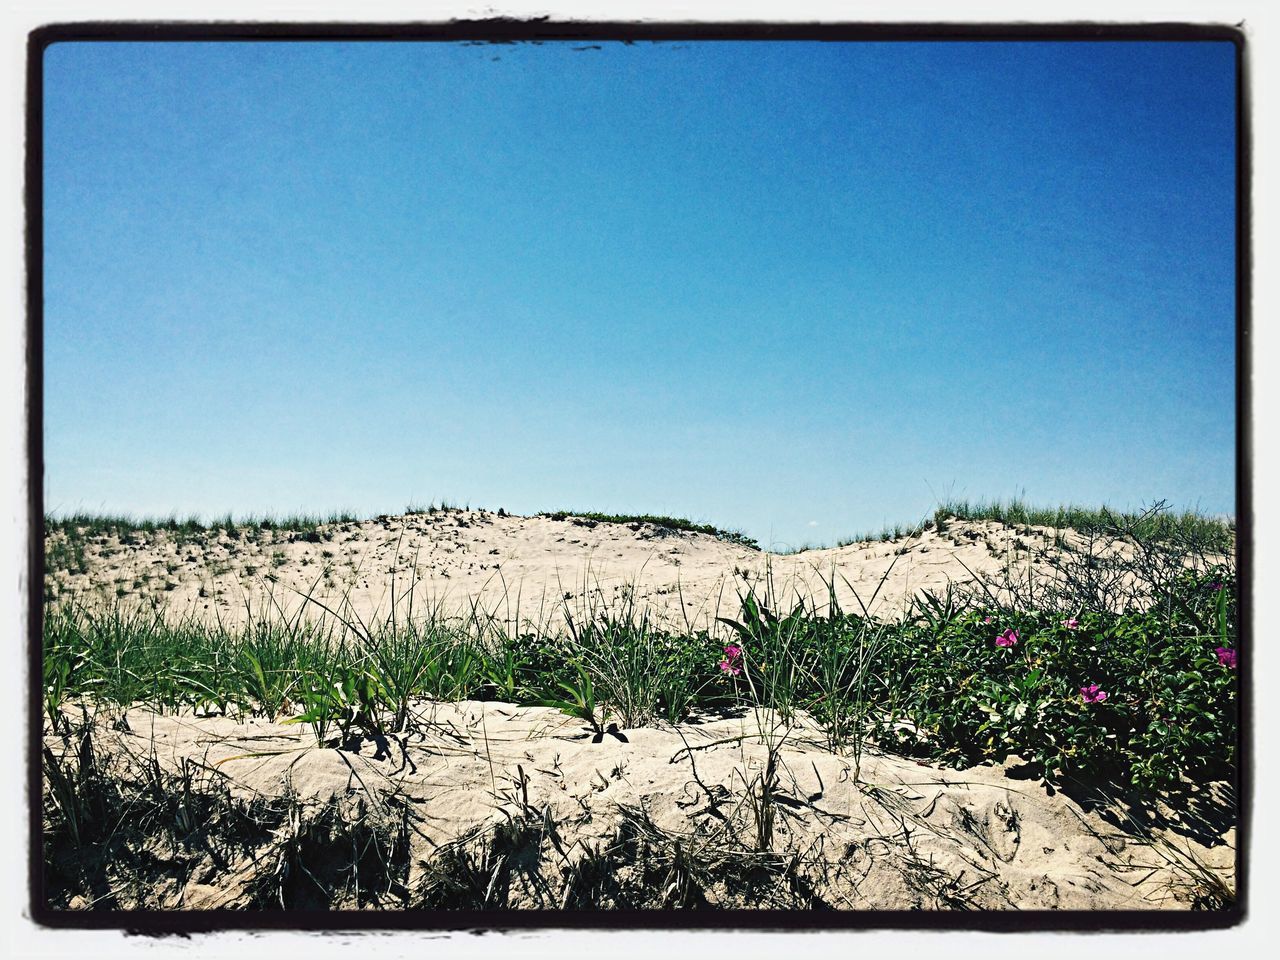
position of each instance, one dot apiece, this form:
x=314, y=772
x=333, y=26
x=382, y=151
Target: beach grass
x=679, y=524
x=1155, y=522
x=81, y=525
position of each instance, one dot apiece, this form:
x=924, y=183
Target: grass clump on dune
x=1156, y=522
x=668, y=523
x=886, y=534
x=67, y=536
x=94, y=524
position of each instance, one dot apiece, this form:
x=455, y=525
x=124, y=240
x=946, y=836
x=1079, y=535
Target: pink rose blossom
x=1071, y=623
x=1093, y=693
x=1007, y=639
x=1228, y=657
x=988, y=619
x=732, y=662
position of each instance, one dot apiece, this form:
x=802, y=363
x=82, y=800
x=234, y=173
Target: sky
x=796, y=289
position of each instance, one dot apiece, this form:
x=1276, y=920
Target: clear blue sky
x=799, y=289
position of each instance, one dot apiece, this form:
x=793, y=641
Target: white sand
x=888, y=834
x=527, y=569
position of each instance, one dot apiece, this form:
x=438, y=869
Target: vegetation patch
x=667, y=523
x=1155, y=523
x=1117, y=673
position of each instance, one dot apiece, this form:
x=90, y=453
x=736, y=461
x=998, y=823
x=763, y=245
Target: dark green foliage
x=1169, y=711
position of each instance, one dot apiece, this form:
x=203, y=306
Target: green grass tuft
x=669, y=523
x=886, y=534
x=1156, y=522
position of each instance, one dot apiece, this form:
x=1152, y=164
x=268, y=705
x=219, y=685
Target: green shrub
x=1169, y=708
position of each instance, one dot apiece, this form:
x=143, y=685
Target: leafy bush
x=1136, y=697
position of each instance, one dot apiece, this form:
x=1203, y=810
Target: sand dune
x=523, y=796
x=523, y=569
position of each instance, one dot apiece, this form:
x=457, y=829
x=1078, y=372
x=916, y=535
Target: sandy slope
x=884, y=833
x=522, y=569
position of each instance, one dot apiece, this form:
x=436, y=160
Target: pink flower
x=1216, y=585
x=1228, y=657
x=1071, y=623
x=1093, y=693
x=1007, y=639
x=732, y=662
x=988, y=619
